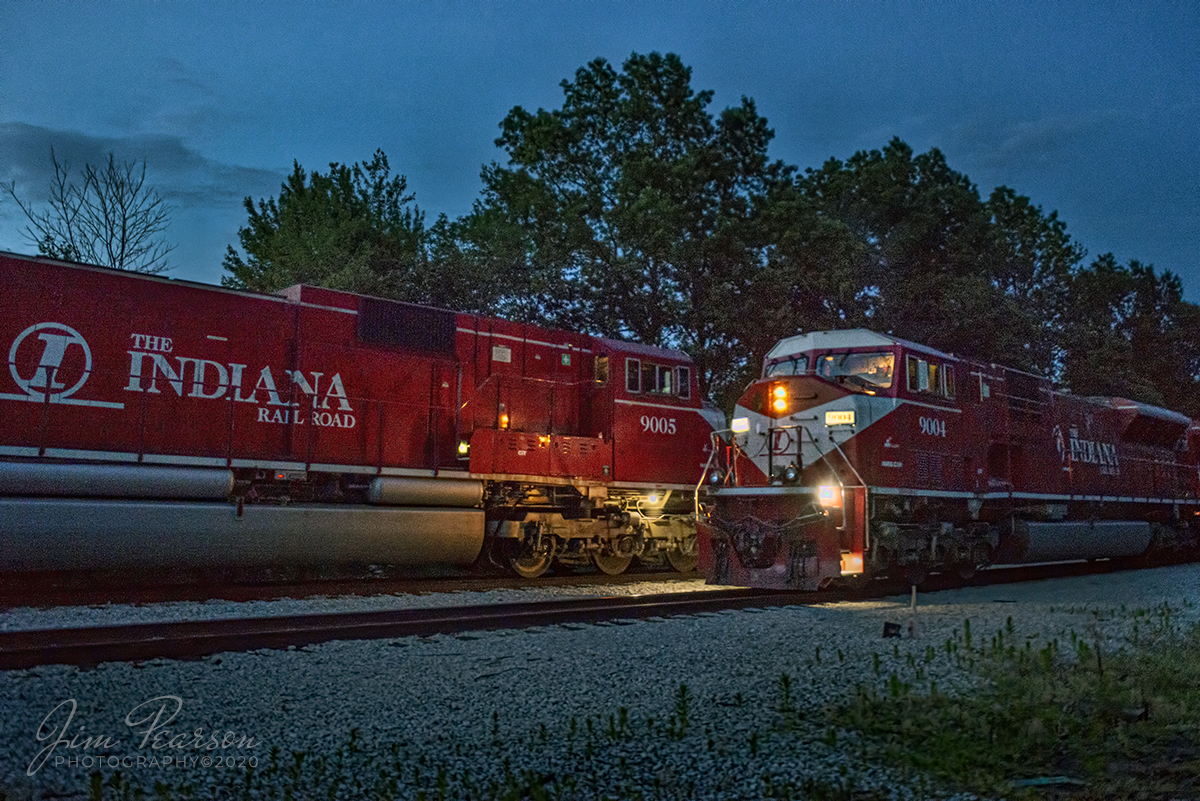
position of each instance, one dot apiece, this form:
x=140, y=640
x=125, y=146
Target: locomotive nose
x=780, y=398
x=776, y=425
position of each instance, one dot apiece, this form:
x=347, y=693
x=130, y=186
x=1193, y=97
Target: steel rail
x=87, y=590
x=91, y=646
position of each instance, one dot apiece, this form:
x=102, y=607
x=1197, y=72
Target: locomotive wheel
x=685, y=557
x=611, y=564
x=529, y=562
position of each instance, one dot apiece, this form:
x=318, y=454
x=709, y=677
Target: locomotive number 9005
x=658, y=425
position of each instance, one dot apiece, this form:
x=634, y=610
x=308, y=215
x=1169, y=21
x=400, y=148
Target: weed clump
x=1122, y=721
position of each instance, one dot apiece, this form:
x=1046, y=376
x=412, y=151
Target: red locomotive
x=858, y=454
x=152, y=422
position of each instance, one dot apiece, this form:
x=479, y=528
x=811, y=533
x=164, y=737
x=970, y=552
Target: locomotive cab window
x=633, y=375
x=601, y=370
x=649, y=378
x=927, y=376
x=861, y=372
x=659, y=379
x=665, y=380
x=797, y=365
x=685, y=382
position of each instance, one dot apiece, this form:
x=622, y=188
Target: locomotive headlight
x=779, y=399
x=790, y=474
x=829, y=496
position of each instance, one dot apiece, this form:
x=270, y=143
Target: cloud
x=207, y=194
x=181, y=174
x=1048, y=141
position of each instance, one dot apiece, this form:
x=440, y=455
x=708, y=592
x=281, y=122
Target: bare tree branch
x=112, y=219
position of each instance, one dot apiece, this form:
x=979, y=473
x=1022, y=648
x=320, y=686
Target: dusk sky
x=1089, y=108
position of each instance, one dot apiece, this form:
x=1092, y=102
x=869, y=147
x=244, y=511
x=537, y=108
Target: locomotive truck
x=858, y=454
x=156, y=423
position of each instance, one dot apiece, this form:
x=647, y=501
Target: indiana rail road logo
x=49, y=363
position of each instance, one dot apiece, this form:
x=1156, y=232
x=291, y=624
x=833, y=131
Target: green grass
x=1124, y=724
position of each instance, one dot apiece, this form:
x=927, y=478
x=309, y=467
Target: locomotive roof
x=1142, y=409
x=845, y=338
x=647, y=351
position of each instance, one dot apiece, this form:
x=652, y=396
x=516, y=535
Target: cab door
x=445, y=424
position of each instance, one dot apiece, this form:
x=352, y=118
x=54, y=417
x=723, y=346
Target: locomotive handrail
x=712, y=452
x=498, y=379
x=533, y=379
x=846, y=459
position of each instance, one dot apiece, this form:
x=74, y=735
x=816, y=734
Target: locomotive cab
x=824, y=441
x=793, y=456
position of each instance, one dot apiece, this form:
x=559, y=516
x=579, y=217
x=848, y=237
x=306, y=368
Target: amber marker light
x=779, y=399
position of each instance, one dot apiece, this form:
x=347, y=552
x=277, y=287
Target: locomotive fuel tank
x=31, y=478
x=397, y=491
x=1090, y=539
x=87, y=534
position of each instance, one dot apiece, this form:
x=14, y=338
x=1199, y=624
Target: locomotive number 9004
x=658, y=425
x=933, y=427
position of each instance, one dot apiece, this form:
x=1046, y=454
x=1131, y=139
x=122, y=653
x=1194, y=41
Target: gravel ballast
x=690, y=707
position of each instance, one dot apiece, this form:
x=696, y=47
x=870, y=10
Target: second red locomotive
x=151, y=422
x=857, y=454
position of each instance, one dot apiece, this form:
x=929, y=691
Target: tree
x=630, y=211
x=469, y=260
x=1031, y=262
x=1129, y=333
x=355, y=229
x=113, y=218
x=903, y=244
x=920, y=231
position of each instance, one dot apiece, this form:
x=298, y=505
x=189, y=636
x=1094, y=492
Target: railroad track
x=90, y=646
x=82, y=590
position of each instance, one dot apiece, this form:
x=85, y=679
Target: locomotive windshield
x=796, y=365
x=865, y=372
